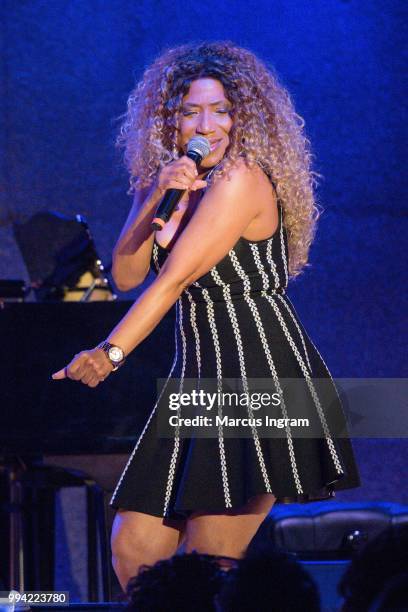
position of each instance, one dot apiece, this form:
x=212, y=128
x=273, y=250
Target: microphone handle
x=170, y=200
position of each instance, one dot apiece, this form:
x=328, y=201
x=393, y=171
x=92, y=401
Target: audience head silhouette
x=379, y=561
x=267, y=580
x=184, y=583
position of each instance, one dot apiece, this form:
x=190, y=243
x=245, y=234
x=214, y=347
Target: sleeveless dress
x=236, y=321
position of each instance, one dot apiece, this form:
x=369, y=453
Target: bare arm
x=132, y=252
x=221, y=218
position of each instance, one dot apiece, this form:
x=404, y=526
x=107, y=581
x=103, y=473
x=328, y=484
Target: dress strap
x=211, y=171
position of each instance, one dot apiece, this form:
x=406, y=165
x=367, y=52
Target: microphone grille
x=199, y=145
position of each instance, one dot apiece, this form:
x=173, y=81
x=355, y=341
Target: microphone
x=197, y=149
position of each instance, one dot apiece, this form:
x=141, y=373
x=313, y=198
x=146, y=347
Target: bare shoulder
x=241, y=173
x=222, y=216
x=251, y=178
x=247, y=186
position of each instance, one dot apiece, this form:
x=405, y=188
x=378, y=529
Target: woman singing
x=243, y=228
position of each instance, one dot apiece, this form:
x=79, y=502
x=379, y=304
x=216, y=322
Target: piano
x=43, y=416
x=62, y=430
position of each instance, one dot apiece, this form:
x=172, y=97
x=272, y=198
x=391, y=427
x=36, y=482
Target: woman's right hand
x=90, y=367
x=179, y=174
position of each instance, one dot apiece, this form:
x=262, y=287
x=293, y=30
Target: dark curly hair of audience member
x=269, y=580
x=377, y=562
x=183, y=583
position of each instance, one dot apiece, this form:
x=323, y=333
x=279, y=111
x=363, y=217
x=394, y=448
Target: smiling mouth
x=214, y=144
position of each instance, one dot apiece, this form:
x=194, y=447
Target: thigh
x=133, y=532
x=230, y=532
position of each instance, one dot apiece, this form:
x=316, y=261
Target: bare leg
x=138, y=539
x=228, y=533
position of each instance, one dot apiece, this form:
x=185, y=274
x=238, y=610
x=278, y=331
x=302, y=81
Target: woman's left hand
x=89, y=367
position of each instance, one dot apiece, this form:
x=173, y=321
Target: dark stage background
x=67, y=67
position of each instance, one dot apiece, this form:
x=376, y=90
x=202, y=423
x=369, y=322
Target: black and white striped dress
x=237, y=322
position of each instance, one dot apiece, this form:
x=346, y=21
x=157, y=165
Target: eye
x=189, y=113
x=223, y=111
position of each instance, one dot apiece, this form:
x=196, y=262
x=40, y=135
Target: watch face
x=115, y=354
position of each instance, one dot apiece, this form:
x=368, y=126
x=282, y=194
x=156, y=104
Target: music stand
x=61, y=259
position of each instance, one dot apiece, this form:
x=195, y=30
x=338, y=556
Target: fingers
x=198, y=184
x=188, y=164
x=93, y=384
x=59, y=375
x=178, y=181
x=88, y=378
x=88, y=367
x=93, y=380
x=184, y=185
x=180, y=174
x=189, y=173
x=178, y=184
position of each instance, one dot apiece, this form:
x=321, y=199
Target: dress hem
x=325, y=493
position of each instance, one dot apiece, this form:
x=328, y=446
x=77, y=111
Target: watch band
x=106, y=347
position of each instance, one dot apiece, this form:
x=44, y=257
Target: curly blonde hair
x=266, y=130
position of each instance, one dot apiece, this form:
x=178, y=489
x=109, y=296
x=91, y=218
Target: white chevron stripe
x=282, y=241
x=257, y=258
x=317, y=351
x=265, y=282
x=257, y=319
x=217, y=349
x=155, y=253
x=241, y=356
x=309, y=382
x=193, y=323
x=173, y=460
x=299, y=331
x=271, y=263
x=149, y=419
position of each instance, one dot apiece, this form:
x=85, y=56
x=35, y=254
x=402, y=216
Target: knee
x=138, y=541
x=128, y=544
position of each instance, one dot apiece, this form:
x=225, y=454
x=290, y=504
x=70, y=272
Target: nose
x=205, y=125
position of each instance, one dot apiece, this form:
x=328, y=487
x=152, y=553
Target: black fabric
x=198, y=483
